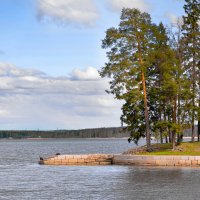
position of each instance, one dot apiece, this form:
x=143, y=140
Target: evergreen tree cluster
x=156, y=72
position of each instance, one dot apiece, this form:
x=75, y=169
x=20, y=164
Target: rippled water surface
x=22, y=178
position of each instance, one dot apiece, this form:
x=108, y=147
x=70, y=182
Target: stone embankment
x=145, y=160
x=107, y=159
x=90, y=159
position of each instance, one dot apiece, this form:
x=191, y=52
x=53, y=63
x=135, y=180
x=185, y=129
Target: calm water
x=22, y=178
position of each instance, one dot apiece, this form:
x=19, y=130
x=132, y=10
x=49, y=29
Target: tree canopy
x=156, y=79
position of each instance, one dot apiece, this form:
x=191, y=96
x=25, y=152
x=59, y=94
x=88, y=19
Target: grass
x=185, y=148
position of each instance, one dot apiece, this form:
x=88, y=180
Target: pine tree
x=163, y=86
x=128, y=59
x=184, y=94
x=191, y=39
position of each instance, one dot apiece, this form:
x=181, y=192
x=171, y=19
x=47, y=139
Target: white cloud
x=11, y=70
x=31, y=99
x=78, y=12
x=89, y=73
x=117, y=5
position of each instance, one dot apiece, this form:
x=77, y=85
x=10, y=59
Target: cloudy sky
x=50, y=51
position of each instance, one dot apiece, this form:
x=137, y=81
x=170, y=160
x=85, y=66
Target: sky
x=50, y=54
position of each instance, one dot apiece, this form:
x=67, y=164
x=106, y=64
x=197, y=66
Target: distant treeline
x=116, y=132
x=83, y=133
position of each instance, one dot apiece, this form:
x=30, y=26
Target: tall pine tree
x=129, y=47
x=191, y=39
x=164, y=86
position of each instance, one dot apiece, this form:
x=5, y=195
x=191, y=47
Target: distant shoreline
x=98, y=138
x=113, y=138
x=111, y=132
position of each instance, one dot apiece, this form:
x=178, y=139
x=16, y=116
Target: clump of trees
x=156, y=72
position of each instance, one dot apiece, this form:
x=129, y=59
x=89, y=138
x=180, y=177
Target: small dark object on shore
x=57, y=154
x=41, y=158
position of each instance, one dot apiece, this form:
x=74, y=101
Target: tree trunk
x=170, y=135
x=148, y=137
x=193, y=91
x=166, y=140
x=160, y=110
x=179, y=136
x=198, y=133
x=199, y=106
x=173, y=140
x=169, y=131
x=161, y=137
x=174, y=121
x=161, y=130
x=193, y=113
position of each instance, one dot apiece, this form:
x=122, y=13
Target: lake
x=22, y=178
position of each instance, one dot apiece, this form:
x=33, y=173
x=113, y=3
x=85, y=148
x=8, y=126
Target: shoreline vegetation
x=184, y=148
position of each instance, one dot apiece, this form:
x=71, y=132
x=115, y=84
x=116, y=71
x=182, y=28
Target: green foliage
x=128, y=58
x=191, y=54
x=157, y=76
